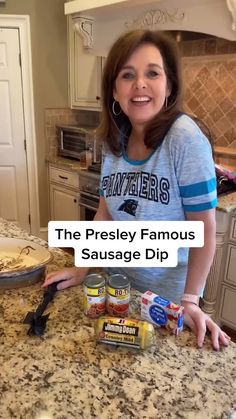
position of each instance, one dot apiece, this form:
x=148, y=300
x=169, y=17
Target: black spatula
x=35, y=318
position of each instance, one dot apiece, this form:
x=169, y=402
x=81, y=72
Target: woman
x=157, y=165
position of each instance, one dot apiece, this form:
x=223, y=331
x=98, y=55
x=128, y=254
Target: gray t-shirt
x=179, y=176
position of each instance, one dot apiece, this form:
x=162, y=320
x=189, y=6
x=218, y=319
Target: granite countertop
x=65, y=163
x=226, y=203
x=66, y=374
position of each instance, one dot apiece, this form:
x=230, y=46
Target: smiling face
x=141, y=85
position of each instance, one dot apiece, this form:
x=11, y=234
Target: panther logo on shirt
x=129, y=206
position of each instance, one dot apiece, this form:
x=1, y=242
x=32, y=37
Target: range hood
x=75, y=6
x=101, y=21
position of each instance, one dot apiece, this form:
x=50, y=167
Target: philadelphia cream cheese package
x=162, y=312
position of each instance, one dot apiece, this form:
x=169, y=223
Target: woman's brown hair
x=111, y=125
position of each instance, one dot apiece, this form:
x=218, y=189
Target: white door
x=14, y=193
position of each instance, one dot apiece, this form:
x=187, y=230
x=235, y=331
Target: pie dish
x=19, y=257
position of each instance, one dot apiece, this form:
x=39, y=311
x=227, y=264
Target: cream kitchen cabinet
x=227, y=308
x=85, y=71
x=219, y=298
x=64, y=194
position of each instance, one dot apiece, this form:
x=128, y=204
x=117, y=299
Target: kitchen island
x=65, y=374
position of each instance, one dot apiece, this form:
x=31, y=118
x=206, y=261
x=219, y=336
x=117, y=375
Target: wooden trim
x=225, y=151
x=226, y=156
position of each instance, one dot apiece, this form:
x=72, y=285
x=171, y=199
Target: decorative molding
x=84, y=26
x=209, y=301
x=154, y=18
x=231, y=4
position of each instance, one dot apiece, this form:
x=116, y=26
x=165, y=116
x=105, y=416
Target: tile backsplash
x=210, y=94
x=207, y=46
x=209, y=67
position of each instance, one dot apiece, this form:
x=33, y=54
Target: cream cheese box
x=162, y=312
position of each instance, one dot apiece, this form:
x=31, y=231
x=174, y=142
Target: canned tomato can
x=94, y=295
x=118, y=295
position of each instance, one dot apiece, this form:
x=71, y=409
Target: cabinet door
x=64, y=204
x=230, y=270
x=233, y=229
x=228, y=307
x=85, y=73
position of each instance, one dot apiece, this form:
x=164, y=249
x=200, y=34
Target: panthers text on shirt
x=138, y=184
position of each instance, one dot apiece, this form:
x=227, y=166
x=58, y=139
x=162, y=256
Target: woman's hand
x=74, y=276
x=69, y=276
x=200, y=322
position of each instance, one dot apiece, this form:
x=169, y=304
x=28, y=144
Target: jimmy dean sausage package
x=127, y=332
x=162, y=312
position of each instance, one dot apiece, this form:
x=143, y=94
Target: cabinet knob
x=75, y=200
x=98, y=97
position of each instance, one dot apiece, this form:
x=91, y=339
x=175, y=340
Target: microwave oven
x=74, y=140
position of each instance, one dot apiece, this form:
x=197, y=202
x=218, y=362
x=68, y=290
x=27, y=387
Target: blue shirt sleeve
x=194, y=166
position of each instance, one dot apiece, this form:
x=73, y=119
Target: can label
x=118, y=301
x=94, y=301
